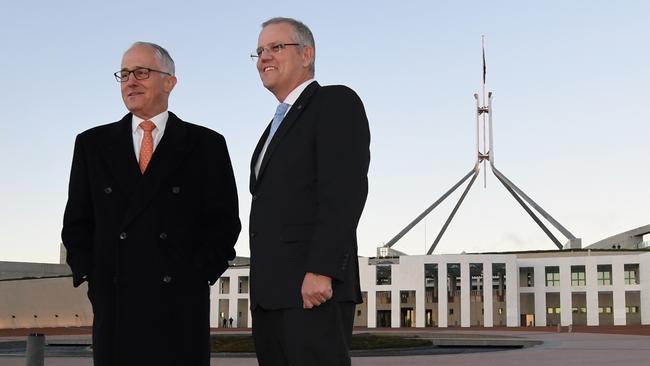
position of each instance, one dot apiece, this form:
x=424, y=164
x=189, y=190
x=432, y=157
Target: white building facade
x=582, y=287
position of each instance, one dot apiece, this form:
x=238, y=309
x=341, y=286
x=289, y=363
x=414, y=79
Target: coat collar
x=288, y=121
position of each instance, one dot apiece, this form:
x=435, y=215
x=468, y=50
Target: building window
x=631, y=273
x=526, y=277
x=604, y=275
x=430, y=275
x=404, y=297
x=578, y=277
x=631, y=309
x=605, y=310
x=383, y=297
x=552, y=276
x=242, y=286
x=383, y=274
x=224, y=285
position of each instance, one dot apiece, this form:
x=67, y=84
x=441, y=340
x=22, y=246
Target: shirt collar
x=295, y=93
x=159, y=120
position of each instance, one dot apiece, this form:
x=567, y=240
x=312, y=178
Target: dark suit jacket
x=308, y=198
x=150, y=244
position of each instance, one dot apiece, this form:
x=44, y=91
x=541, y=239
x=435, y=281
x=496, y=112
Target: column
x=618, y=293
x=592, y=292
x=566, y=315
x=395, y=306
x=465, y=285
x=488, y=305
x=420, y=298
x=540, y=296
x=644, y=283
x=512, y=294
x=442, y=295
x=372, y=307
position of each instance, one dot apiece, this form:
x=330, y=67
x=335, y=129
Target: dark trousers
x=304, y=337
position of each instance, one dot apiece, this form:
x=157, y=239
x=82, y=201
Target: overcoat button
x=176, y=190
x=122, y=236
x=167, y=279
x=254, y=197
x=108, y=190
x=163, y=236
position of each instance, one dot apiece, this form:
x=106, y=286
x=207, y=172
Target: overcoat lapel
x=168, y=155
x=288, y=121
x=120, y=156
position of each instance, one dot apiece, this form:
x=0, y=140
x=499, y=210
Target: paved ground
x=566, y=349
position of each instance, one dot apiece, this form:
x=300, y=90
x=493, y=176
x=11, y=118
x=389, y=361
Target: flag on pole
x=483, y=52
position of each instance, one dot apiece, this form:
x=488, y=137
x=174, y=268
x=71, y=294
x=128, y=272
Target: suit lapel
x=285, y=126
x=120, y=155
x=256, y=154
x=168, y=155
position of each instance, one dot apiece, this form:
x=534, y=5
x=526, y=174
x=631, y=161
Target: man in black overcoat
x=309, y=186
x=151, y=222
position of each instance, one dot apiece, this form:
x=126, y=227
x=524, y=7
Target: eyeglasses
x=275, y=49
x=139, y=74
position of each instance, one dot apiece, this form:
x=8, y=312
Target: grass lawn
x=244, y=343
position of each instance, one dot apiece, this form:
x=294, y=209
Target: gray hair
x=301, y=34
x=162, y=56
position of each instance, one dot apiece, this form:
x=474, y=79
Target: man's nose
x=266, y=55
x=132, y=81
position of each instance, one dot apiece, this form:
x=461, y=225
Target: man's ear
x=170, y=83
x=307, y=56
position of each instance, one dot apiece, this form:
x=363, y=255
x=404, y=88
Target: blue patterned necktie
x=277, y=119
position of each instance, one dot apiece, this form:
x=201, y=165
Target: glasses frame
x=275, y=49
x=121, y=79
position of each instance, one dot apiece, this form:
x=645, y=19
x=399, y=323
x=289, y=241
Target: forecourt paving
x=557, y=349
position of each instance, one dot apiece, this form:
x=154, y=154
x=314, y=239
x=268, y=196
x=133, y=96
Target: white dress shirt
x=138, y=133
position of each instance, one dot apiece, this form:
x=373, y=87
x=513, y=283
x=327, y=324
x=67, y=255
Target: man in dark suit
x=151, y=221
x=309, y=185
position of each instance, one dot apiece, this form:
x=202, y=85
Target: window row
x=242, y=285
x=579, y=276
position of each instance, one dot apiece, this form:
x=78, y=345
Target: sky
x=570, y=109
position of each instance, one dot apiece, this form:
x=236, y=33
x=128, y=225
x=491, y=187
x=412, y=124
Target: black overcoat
x=150, y=244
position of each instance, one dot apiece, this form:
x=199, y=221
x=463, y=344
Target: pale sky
x=571, y=123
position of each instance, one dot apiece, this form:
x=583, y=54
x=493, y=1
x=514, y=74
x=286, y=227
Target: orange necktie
x=146, y=148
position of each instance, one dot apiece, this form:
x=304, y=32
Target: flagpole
x=483, y=105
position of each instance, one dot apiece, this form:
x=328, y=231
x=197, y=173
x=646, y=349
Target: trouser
x=320, y=336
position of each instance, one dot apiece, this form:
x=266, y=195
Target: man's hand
x=316, y=289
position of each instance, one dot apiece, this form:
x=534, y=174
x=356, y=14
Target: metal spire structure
x=485, y=153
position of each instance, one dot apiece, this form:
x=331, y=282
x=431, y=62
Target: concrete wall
x=46, y=302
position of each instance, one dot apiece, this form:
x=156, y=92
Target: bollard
x=35, y=353
x=559, y=328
